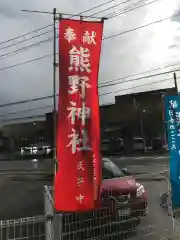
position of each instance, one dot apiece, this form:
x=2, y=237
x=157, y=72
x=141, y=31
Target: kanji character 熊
x=79, y=59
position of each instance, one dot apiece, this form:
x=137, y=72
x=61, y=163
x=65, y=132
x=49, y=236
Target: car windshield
x=111, y=170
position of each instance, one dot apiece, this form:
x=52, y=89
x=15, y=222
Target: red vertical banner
x=78, y=180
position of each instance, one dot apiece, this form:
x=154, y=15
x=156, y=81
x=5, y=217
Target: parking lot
x=22, y=194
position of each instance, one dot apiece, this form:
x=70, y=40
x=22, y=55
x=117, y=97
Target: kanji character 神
x=79, y=59
x=76, y=82
x=72, y=112
x=69, y=34
x=82, y=113
x=89, y=38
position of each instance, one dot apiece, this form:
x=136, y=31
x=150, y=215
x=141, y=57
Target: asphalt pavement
x=158, y=223
x=21, y=189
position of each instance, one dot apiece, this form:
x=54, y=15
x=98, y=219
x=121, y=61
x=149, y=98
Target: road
x=23, y=196
x=157, y=224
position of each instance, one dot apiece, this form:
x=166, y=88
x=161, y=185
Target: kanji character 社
x=74, y=142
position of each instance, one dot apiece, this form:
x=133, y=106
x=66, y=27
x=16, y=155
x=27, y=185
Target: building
x=134, y=115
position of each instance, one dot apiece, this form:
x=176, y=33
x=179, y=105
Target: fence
x=30, y=228
x=120, y=217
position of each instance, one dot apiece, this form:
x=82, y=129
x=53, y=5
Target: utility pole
x=140, y=111
x=55, y=64
x=54, y=93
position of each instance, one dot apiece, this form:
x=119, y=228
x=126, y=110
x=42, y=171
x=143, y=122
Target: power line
x=25, y=34
x=51, y=96
x=45, y=107
x=52, y=30
x=131, y=9
x=93, y=8
x=25, y=40
x=137, y=74
x=44, y=41
x=109, y=16
x=26, y=101
x=98, y=6
x=117, y=91
x=20, y=50
x=106, y=9
x=21, y=118
x=140, y=27
x=105, y=38
x=49, y=39
x=143, y=77
x=141, y=85
x=26, y=111
x=46, y=26
x=25, y=62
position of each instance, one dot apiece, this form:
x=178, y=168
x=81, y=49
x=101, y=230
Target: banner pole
x=175, y=83
x=54, y=90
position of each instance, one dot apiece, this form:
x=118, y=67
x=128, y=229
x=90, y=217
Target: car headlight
x=140, y=189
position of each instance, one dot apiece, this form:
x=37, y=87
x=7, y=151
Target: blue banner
x=172, y=118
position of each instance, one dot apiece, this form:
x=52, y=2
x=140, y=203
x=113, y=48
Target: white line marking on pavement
x=141, y=158
x=161, y=157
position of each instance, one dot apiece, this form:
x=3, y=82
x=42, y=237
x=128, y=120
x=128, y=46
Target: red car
x=119, y=184
x=123, y=203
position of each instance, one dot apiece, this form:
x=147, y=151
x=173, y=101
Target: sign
x=78, y=180
x=172, y=117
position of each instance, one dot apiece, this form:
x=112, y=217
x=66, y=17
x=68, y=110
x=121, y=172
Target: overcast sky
x=148, y=48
